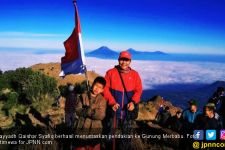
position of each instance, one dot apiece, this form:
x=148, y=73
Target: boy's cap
x=210, y=105
x=193, y=102
x=125, y=54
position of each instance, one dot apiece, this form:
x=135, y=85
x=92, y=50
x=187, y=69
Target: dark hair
x=167, y=108
x=100, y=80
x=193, y=102
x=69, y=84
x=178, y=112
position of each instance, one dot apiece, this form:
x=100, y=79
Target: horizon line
x=52, y=50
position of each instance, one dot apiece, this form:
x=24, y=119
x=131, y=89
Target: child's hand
x=116, y=106
x=93, y=106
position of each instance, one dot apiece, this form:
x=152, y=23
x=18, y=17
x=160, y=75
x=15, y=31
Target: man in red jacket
x=114, y=91
x=122, y=95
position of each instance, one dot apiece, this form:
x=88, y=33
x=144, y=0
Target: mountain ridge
x=180, y=97
x=105, y=52
x=136, y=52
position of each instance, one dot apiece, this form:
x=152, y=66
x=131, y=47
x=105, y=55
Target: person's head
x=98, y=85
x=124, y=60
x=70, y=87
x=178, y=114
x=220, y=91
x=209, y=109
x=167, y=108
x=193, y=105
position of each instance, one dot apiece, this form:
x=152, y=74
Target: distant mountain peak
x=131, y=50
x=103, y=52
x=159, y=52
x=104, y=48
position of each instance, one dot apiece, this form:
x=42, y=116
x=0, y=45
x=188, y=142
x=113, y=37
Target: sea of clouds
x=153, y=73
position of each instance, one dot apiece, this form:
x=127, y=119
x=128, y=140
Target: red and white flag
x=74, y=60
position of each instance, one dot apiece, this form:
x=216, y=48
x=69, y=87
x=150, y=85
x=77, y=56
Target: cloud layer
x=153, y=73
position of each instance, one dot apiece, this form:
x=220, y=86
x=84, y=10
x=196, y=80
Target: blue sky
x=180, y=26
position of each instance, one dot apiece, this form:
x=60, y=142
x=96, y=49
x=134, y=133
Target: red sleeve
x=138, y=89
x=107, y=94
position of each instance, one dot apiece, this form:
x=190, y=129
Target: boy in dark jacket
x=164, y=116
x=209, y=120
x=175, y=123
x=91, y=111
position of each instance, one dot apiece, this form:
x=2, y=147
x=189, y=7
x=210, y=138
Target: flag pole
x=83, y=58
x=87, y=82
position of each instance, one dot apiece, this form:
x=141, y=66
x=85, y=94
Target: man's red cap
x=125, y=54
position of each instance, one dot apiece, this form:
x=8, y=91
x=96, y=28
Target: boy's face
x=97, y=88
x=208, y=112
x=193, y=108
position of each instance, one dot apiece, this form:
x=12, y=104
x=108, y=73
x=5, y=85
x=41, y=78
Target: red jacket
x=114, y=91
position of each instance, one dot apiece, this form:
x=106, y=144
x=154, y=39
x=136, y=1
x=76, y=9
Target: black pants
x=69, y=119
x=115, y=126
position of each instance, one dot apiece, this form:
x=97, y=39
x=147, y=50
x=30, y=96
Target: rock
x=148, y=110
x=53, y=70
